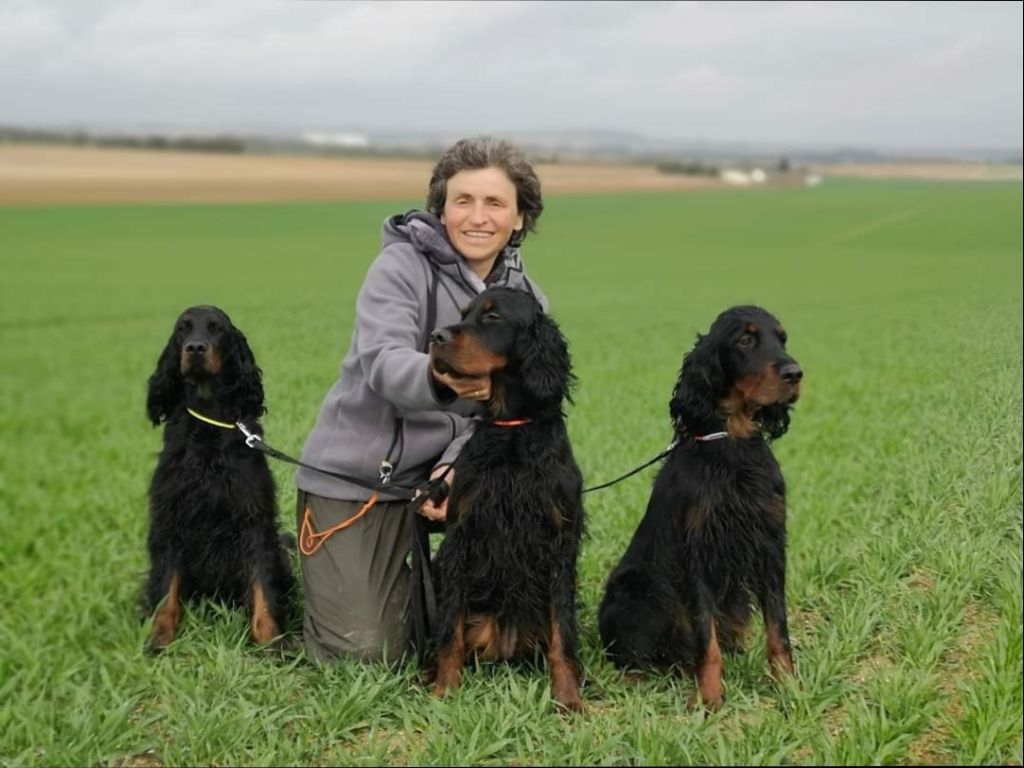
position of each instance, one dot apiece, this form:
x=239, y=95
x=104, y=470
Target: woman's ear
x=165, y=391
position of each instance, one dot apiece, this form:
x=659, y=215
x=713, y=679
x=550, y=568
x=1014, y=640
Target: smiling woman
x=395, y=414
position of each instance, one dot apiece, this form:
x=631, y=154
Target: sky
x=919, y=74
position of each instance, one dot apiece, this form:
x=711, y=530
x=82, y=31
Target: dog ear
x=774, y=420
x=247, y=391
x=544, y=366
x=165, y=391
x=700, y=386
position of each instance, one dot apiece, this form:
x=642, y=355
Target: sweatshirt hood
x=425, y=232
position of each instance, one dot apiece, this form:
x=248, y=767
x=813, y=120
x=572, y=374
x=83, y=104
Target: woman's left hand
x=438, y=512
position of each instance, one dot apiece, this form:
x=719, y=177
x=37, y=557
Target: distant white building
x=732, y=176
x=353, y=140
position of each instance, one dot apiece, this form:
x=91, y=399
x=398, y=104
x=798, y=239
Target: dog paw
x=710, y=706
x=444, y=688
x=157, y=642
x=569, y=702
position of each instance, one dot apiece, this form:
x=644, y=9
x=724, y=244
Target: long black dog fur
x=713, y=538
x=213, y=528
x=506, y=569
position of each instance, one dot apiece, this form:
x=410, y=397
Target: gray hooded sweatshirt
x=384, y=405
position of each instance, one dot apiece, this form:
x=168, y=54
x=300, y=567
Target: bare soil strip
x=40, y=175
x=43, y=175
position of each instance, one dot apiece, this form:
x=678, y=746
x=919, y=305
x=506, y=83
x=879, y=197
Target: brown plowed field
x=41, y=175
x=923, y=171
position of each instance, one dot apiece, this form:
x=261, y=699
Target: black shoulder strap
x=424, y=599
x=431, y=302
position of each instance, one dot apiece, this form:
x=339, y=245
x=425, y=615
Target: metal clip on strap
x=251, y=438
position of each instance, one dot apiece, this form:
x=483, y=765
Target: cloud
x=848, y=72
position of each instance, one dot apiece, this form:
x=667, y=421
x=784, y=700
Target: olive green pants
x=356, y=584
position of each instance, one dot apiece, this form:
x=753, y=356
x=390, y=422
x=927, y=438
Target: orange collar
x=510, y=422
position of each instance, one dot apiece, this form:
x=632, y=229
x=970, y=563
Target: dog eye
x=212, y=327
x=746, y=341
x=492, y=317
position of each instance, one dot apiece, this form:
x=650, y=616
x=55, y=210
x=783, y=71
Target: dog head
x=738, y=373
x=206, y=359
x=506, y=335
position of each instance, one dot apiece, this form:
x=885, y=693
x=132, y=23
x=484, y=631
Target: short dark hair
x=487, y=152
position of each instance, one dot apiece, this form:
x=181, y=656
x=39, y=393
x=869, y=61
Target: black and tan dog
x=714, y=534
x=212, y=504
x=506, y=570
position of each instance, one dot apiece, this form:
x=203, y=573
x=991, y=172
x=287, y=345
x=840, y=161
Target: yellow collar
x=208, y=420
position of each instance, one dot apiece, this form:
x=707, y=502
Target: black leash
x=408, y=494
x=632, y=472
x=424, y=603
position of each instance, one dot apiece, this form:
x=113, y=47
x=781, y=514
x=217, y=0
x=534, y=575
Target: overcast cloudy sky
x=920, y=74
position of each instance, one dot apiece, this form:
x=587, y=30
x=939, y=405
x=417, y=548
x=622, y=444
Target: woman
x=390, y=413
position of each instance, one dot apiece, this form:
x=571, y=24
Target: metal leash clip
x=385, y=472
x=251, y=438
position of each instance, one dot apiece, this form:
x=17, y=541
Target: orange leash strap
x=310, y=541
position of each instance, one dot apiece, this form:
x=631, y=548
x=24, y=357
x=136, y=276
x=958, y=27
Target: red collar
x=510, y=422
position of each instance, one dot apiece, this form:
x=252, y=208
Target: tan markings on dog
x=765, y=387
x=556, y=516
x=751, y=329
x=464, y=505
x=450, y=661
x=214, y=361
x=496, y=405
x=682, y=619
x=262, y=627
x=780, y=659
x=467, y=355
x=709, y=672
x=776, y=509
x=483, y=636
x=697, y=515
x=738, y=413
x=167, y=617
x=732, y=630
x=565, y=684
x=487, y=306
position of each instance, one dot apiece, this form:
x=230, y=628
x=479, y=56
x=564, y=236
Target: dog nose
x=791, y=373
x=440, y=336
x=195, y=347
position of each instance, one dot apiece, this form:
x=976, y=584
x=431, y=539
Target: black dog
x=213, y=511
x=714, y=533
x=507, y=567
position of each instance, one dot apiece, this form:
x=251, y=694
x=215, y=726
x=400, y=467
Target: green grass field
x=903, y=303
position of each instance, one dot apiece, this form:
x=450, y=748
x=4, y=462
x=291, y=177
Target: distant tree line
x=688, y=168
x=229, y=144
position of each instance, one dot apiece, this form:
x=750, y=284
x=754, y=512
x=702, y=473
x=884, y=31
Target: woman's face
x=480, y=215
